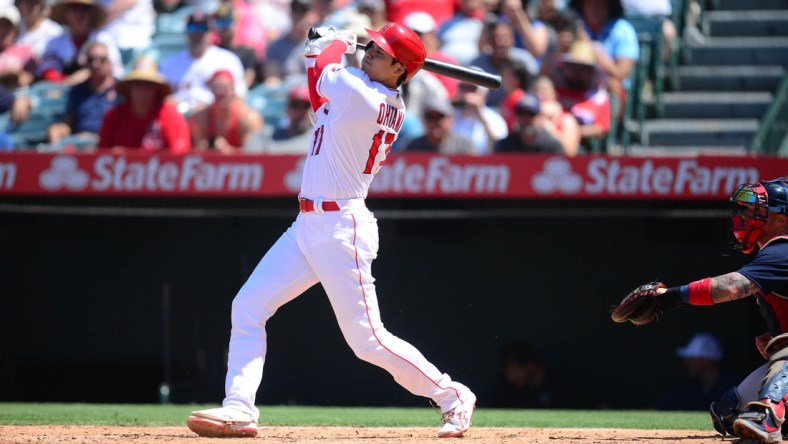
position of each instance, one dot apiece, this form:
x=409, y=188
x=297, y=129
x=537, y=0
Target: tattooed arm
x=731, y=286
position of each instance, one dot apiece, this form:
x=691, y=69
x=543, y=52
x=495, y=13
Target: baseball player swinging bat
x=461, y=73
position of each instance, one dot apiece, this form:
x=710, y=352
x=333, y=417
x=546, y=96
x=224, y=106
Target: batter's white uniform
x=353, y=134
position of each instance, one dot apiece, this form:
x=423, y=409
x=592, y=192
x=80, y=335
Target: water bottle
x=152, y=140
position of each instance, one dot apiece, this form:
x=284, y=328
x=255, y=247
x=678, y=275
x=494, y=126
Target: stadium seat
x=173, y=22
x=49, y=97
x=163, y=45
x=269, y=101
x=76, y=142
x=31, y=132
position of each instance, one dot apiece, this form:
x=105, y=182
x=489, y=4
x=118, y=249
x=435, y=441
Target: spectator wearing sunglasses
x=83, y=20
x=189, y=71
x=438, y=118
x=225, y=23
x=293, y=133
x=88, y=101
x=228, y=122
x=531, y=134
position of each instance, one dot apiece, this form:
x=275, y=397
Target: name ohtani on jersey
x=390, y=117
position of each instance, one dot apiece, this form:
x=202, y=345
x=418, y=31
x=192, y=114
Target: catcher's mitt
x=640, y=306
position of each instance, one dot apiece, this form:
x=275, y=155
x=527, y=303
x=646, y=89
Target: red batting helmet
x=402, y=44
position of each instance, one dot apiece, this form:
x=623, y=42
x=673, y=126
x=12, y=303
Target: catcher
x=755, y=409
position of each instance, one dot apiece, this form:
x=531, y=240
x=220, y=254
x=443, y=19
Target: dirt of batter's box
x=365, y=435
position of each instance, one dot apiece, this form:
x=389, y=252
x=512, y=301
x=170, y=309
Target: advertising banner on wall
x=403, y=176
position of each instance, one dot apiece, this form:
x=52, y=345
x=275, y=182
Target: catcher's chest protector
x=774, y=306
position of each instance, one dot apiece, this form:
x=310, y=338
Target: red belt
x=306, y=205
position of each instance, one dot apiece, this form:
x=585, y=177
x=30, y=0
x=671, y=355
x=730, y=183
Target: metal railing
x=772, y=135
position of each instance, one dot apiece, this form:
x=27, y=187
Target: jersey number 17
x=381, y=143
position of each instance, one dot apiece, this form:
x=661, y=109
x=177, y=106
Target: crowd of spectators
x=562, y=62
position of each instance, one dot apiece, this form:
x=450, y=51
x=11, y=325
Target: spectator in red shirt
x=227, y=123
x=579, y=90
x=145, y=121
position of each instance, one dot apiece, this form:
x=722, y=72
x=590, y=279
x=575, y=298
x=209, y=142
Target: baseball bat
x=461, y=73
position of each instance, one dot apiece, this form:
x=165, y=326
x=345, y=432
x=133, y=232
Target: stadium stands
x=726, y=84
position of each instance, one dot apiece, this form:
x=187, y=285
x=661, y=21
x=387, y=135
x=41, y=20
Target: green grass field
x=175, y=415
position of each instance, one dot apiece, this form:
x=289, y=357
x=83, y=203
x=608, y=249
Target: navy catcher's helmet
x=777, y=193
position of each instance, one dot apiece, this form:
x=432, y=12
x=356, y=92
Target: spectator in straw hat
x=228, y=122
x=146, y=120
x=578, y=89
x=82, y=19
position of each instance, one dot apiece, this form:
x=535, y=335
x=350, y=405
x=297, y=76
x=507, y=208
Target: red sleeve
x=332, y=54
x=175, y=130
x=52, y=75
x=107, y=130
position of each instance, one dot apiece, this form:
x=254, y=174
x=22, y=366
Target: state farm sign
x=405, y=175
x=119, y=174
x=441, y=176
x=611, y=177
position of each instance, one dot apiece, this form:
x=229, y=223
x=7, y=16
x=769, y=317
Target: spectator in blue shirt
x=617, y=48
x=88, y=101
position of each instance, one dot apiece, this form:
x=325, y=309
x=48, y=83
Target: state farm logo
x=441, y=175
x=632, y=177
x=63, y=172
x=152, y=174
x=556, y=175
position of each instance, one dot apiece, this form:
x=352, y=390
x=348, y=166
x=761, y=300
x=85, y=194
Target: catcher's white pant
x=335, y=248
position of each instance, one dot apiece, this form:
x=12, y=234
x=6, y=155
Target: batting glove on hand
x=321, y=38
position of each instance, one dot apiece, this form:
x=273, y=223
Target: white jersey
x=189, y=76
x=352, y=136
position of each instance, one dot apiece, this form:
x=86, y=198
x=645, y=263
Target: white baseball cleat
x=222, y=422
x=457, y=421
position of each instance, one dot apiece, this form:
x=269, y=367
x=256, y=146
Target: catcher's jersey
x=352, y=135
x=769, y=271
